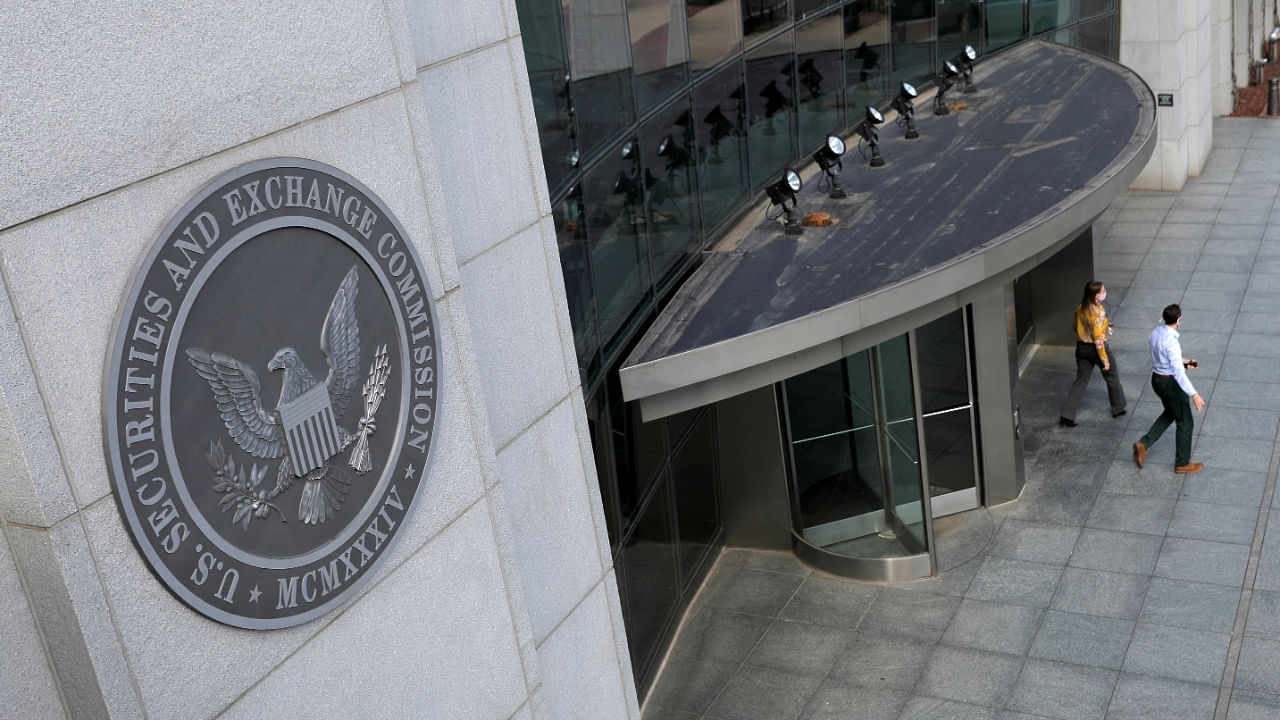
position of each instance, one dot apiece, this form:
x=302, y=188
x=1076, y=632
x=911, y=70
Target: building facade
x=561, y=168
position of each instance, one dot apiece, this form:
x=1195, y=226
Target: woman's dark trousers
x=1086, y=359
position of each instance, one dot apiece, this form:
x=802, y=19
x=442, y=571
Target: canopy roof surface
x=1053, y=135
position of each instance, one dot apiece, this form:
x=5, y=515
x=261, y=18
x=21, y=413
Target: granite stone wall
x=498, y=599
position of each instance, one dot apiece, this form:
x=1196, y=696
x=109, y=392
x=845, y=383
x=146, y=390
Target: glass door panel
x=857, y=478
x=947, y=410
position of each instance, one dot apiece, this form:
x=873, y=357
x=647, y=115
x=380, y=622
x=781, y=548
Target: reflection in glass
x=715, y=31
x=600, y=70
x=913, y=33
x=866, y=42
x=613, y=194
x=639, y=452
x=771, y=109
x=697, y=516
x=1005, y=23
x=548, y=65
x=959, y=23
x=1089, y=8
x=808, y=8
x=659, y=51
x=759, y=17
x=1098, y=36
x=648, y=560
x=818, y=72
x=1049, y=15
x=945, y=404
x=668, y=145
x=571, y=238
x=720, y=114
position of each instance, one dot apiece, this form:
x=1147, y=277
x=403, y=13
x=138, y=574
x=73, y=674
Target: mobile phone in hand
x=1193, y=363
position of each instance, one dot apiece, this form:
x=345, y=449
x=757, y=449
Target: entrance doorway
x=863, y=492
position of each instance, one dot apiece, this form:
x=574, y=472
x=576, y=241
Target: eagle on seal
x=303, y=429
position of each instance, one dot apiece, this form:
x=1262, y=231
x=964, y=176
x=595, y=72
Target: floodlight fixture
x=867, y=131
x=828, y=158
x=782, y=193
x=945, y=82
x=904, y=104
x=964, y=61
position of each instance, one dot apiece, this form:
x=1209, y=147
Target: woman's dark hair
x=1091, y=290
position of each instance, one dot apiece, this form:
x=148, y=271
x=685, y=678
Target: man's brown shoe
x=1189, y=468
x=1139, y=453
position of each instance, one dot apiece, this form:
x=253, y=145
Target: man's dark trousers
x=1177, y=408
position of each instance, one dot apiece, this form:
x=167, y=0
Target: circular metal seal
x=271, y=393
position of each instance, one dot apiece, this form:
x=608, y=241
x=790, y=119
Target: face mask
x=1102, y=296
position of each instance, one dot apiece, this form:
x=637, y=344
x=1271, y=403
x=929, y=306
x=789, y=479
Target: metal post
x=1273, y=97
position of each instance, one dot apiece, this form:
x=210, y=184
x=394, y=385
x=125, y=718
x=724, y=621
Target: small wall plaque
x=1164, y=99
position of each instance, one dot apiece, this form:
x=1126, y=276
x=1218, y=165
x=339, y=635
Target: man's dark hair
x=1172, y=313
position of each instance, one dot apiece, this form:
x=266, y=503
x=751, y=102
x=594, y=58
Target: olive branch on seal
x=244, y=494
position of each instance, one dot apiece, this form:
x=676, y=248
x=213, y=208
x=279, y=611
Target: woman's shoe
x=1067, y=423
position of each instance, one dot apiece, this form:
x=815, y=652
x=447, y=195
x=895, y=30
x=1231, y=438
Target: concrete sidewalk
x=1105, y=591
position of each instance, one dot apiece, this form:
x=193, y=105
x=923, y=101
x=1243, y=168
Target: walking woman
x=1092, y=330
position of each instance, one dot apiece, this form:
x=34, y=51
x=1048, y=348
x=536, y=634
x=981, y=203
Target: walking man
x=1169, y=380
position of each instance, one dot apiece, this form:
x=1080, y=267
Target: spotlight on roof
x=828, y=158
x=964, y=61
x=904, y=103
x=867, y=131
x=782, y=193
x=946, y=79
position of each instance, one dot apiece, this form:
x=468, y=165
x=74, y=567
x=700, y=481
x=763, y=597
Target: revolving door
x=865, y=434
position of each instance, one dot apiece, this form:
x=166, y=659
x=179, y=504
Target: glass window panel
x=1065, y=36
x=1098, y=36
x=659, y=51
x=668, y=149
x=809, y=8
x=771, y=109
x=913, y=37
x=600, y=67
x=614, y=201
x=544, y=53
x=1049, y=15
x=575, y=264
x=697, y=513
x=649, y=562
x=639, y=451
x=943, y=362
x=720, y=112
x=959, y=24
x=838, y=477
x=819, y=72
x=866, y=46
x=1005, y=23
x=816, y=403
x=1089, y=8
x=598, y=427
x=761, y=17
x=715, y=31
x=678, y=425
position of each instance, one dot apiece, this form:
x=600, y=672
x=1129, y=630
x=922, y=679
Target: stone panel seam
x=528, y=123
x=46, y=414
x=516, y=606
x=31, y=608
x=543, y=416
x=598, y=584
x=476, y=407
x=446, y=256
x=196, y=161
x=473, y=51
x=401, y=43
x=106, y=600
